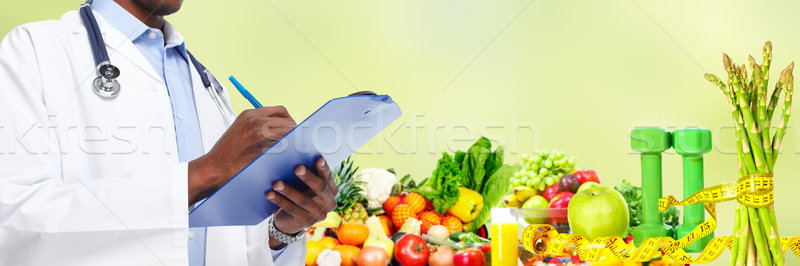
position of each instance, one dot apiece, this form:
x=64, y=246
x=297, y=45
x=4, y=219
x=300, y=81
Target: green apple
x=536, y=202
x=587, y=185
x=598, y=211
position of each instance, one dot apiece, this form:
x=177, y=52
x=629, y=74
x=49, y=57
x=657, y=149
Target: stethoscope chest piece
x=105, y=88
x=106, y=84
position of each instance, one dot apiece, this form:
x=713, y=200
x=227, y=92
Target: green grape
x=543, y=168
x=543, y=172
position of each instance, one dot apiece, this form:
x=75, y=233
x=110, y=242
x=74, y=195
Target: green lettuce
x=493, y=192
x=473, y=165
x=442, y=188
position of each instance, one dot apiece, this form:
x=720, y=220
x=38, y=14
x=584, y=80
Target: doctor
x=106, y=175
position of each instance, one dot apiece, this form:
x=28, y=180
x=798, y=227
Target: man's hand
x=253, y=132
x=301, y=209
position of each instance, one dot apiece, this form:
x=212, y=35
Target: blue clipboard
x=335, y=131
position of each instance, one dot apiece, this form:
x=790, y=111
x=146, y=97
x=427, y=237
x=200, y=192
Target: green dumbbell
x=651, y=142
x=691, y=144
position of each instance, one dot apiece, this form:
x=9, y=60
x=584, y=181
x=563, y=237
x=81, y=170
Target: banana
x=524, y=193
x=512, y=201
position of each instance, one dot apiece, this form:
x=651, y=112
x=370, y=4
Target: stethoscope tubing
x=95, y=37
x=101, y=58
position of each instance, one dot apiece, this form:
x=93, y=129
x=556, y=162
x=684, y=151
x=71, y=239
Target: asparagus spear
x=758, y=236
x=741, y=150
x=753, y=135
x=751, y=254
x=788, y=79
x=759, y=104
x=767, y=54
x=744, y=237
x=776, y=94
x=735, y=243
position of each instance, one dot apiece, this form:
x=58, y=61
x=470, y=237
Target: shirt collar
x=119, y=18
x=173, y=38
x=132, y=27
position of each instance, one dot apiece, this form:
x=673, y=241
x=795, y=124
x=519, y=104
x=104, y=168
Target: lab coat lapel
x=211, y=121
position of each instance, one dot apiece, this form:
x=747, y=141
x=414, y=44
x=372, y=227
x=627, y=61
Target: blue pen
x=244, y=92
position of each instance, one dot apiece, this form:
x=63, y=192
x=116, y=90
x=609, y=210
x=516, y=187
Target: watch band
x=280, y=236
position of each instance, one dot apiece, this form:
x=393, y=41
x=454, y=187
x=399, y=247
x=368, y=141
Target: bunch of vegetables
x=410, y=223
x=633, y=196
x=354, y=243
x=752, y=107
x=469, y=183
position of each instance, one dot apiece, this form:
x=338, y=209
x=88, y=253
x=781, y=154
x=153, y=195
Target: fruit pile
x=558, y=191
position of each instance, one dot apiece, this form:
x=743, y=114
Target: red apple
x=587, y=176
x=551, y=192
x=561, y=201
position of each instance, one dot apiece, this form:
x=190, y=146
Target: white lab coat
x=92, y=181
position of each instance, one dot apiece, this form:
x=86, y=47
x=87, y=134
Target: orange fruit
x=429, y=219
x=352, y=233
x=313, y=248
x=348, y=254
x=390, y=203
x=452, y=223
x=329, y=242
x=416, y=202
x=400, y=214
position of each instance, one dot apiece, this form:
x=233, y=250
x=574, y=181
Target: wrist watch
x=280, y=236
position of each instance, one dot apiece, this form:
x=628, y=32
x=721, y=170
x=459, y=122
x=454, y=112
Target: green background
x=575, y=76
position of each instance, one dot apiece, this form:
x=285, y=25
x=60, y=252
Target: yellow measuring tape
x=753, y=191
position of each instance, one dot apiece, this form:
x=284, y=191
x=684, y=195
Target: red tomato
x=469, y=257
x=411, y=250
x=587, y=176
x=486, y=248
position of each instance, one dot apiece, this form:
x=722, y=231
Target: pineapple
x=350, y=199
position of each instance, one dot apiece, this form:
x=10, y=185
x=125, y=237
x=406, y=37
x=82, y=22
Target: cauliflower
x=329, y=258
x=377, y=185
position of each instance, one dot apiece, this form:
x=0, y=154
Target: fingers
x=272, y=129
x=263, y=131
x=319, y=184
x=325, y=172
x=272, y=111
x=285, y=202
x=311, y=205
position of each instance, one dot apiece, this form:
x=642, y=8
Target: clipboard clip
x=370, y=93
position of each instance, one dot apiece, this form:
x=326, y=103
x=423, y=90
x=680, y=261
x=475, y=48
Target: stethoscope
x=106, y=85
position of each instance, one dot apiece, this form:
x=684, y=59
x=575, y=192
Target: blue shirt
x=166, y=52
